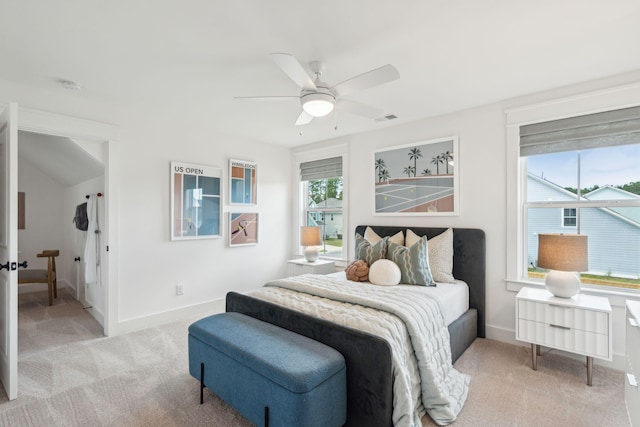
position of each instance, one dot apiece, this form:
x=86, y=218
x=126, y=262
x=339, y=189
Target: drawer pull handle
x=560, y=327
x=633, y=322
x=559, y=306
x=632, y=380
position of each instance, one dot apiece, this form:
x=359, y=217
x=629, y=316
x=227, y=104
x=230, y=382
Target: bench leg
x=266, y=416
x=201, y=383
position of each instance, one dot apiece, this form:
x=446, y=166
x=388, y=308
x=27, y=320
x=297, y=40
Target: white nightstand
x=632, y=367
x=295, y=267
x=581, y=324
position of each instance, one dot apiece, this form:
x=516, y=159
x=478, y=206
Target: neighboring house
x=606, y=256
x=332, y=221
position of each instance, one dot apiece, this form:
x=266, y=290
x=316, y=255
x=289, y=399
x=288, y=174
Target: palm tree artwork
x=381, y=167
x=414, y=154
x=415, y=175
x=446, y=156
x=436, y=161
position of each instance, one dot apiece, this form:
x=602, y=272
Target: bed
x=368, y=357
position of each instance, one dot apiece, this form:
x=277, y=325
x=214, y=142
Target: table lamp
x=310, y=237
x=564, y=255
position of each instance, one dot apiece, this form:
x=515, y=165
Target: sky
x=616, y=165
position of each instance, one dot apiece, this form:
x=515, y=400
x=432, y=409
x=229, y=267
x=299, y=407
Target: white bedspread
x=452, y=297
x=409, y=320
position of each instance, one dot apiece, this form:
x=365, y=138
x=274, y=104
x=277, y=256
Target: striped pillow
x=413, y=262
x=370, y=252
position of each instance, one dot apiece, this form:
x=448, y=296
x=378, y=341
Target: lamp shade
x=318, y=104
x=563, y=252
x=310, y=236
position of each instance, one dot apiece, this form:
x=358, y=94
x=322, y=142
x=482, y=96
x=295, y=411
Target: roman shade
x=608, y=128
x=321, y=169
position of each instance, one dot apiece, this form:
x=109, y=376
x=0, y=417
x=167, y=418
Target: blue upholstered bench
x=267, y=372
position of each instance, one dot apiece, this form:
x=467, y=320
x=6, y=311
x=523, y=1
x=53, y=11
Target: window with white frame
x=323, y=191
x=569, y=217
x=585, y=170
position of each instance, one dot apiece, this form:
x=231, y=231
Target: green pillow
x=368, y=252
x=413, y=262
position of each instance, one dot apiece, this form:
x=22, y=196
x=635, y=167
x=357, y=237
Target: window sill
x=616, y=297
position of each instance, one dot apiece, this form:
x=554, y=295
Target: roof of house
x=626, y=213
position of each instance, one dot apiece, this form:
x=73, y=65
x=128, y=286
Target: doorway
x=43, y=123
x=55, y=175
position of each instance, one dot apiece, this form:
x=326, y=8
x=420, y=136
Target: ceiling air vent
x=387, y=117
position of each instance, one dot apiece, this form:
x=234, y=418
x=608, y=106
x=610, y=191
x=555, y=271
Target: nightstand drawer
x=570, y=317
x=564, y=338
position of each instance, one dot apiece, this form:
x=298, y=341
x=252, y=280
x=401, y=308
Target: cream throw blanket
x=411, y=321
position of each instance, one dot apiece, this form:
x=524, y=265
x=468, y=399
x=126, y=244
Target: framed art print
x=243, y=184
x=195, y=201
x=243, y=229
x=418, y=179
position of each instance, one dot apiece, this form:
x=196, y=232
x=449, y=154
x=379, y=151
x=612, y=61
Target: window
x=569, y=217
x=585, y=170
x=323, y=190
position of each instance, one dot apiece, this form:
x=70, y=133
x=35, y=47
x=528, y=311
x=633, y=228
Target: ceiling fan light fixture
x=318, y=104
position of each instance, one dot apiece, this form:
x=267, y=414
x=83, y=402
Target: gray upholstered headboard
x=469, y=258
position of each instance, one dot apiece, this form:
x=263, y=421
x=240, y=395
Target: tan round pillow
x=357, y=271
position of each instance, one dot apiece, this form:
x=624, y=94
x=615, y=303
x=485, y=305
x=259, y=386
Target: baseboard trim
x=184, y=313
x=509, y=336
x=26, y=288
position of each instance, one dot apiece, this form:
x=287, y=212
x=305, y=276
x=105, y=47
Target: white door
x=9, y=250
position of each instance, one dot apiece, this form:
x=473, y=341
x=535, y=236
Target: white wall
x=482, y=166
x=150, y=265
x=43, y=217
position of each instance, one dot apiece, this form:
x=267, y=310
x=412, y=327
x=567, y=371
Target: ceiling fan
x=318, y=98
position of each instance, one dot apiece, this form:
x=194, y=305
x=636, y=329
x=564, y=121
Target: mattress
x=453, y=298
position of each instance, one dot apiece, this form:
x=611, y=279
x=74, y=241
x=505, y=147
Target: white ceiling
x=146, y=55
x=64, y=160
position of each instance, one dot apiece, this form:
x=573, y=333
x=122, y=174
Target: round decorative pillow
x=357, y=271
x=384, y=272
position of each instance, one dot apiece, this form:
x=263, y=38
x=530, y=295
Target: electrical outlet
x=179, y=289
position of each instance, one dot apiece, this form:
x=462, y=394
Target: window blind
x=321, y=169
x=615, y=127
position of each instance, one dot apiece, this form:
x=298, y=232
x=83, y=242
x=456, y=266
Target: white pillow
x=373, y=238
x=384, y=272
x=440, y=256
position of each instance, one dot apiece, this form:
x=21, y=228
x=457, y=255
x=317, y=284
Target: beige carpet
x=72, y=376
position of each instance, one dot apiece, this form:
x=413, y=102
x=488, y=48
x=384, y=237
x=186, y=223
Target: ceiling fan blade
x=292, y=68
x=359, y=109
x=304, y=118
x=268, y=98
x=376, y=77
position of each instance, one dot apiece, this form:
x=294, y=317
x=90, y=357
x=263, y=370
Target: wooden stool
x=47, y=276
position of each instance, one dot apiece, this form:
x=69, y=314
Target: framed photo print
x=418, y=179
x=243, y=184
x=195, y=201
x=243, y=229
